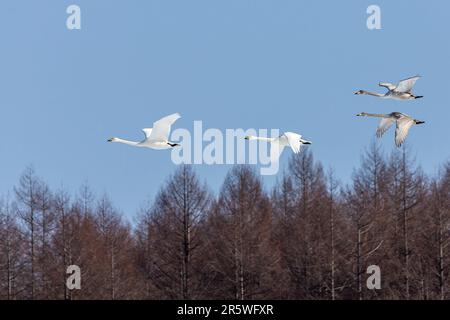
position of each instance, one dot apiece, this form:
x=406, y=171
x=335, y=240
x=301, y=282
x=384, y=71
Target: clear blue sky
x=291, y=65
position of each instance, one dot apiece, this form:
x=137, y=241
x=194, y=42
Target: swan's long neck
x=263, y=139
x=375, y=94
x=131, y=143
x=378, y=115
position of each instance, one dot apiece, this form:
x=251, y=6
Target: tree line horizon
x=307, y=237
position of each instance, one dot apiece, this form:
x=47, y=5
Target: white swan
x=403, y=123
x=290, y=139
x=156, y=137
x=401, y=91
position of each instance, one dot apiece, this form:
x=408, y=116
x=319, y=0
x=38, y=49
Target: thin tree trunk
x=113, y=275
x=239, y=265
x=186, y=256
x=333, y=294
x=9, y=271
x=358, y=265
x=186, y=241
x=405, y=229
x=441, y=260
x=332, y=262
x=32, y=253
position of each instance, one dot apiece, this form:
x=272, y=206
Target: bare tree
x=143, y=253
x=332, y=186
x=27, y=198
x=175, y=219
x=310, y=239
x=45, y=227
x=407, y=191
x=115, y=239
x=364, y=201
x=436, y=238
x=62, y=240
x=240, y=253
x=11, y=251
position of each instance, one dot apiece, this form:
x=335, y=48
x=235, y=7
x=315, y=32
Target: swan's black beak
x=307, y=142
x=247, y=138
x=418, y=97
x=110, y=140
x=420, y=122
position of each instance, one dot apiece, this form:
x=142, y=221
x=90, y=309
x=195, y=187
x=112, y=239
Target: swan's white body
x=403, y=124
x=287, y=139
x=156, y=137
x=401, y=91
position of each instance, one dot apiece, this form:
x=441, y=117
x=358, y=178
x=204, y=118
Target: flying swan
x=401, y=91
x=403, y=123
x=290, y=139
x=156, y=137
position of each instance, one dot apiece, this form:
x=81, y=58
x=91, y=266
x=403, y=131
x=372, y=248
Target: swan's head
x=362, y=114
x=250, y=138
x=360, y=92
x=112, y=140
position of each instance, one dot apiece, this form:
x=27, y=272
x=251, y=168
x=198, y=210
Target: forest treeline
x=309, y=237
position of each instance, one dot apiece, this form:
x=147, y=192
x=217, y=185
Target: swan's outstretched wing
x=407, y=84
x=161, y=128
x=294, y=141
x=403, y=125
x=384, y=126
x=147, y=132
x=387, y=85
x=276, y=149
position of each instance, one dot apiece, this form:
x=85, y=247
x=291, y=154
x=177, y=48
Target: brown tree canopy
x=308, y=237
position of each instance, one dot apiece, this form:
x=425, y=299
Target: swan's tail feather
x=173, y=145
x=302, y=141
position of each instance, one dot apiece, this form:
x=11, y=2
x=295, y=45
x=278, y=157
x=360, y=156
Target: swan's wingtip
x=174, y=145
